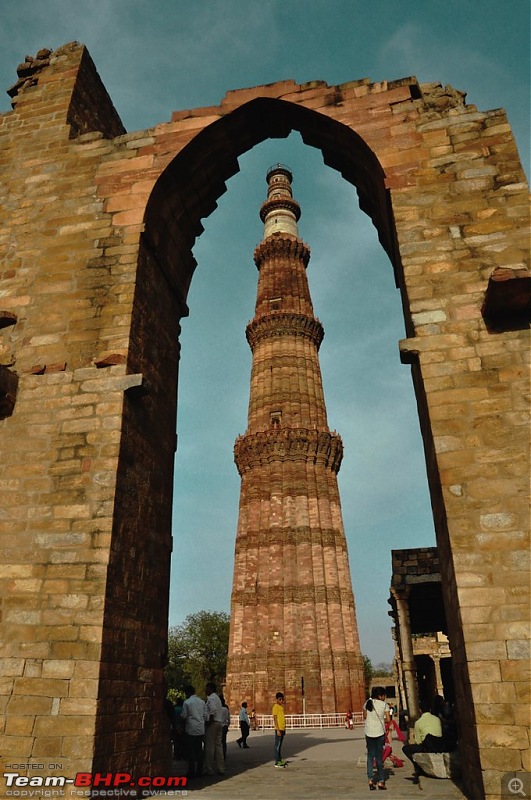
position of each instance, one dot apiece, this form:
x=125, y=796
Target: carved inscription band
x=284, y=324
x=326, y=537
x=281, y=246
x=270, y=595
x=259, y=449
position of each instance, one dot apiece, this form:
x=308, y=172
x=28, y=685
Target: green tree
x=384, y=669
x=197, y=650
x=368, y=672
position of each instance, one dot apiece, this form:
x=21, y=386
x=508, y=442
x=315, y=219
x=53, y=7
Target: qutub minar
x=293, y=620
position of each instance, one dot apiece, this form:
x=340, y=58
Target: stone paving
x=328, y=763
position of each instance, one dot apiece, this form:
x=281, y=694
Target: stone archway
x=97, y=268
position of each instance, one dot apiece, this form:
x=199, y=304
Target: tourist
x=225, y=724
x=392, y=729
x=349, y=720
x=170, y=713
x=214, y=761
x=254, y=722
x=279, y=721
x=427, y=734
x=403, y=718
x=376, y=716
x=443, y=709
x=193, y=715
x=178, y=738
x=244, y=727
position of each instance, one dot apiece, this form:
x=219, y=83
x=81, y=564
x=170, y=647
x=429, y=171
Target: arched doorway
x=369, y=393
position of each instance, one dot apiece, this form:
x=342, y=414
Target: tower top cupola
x=280, y=212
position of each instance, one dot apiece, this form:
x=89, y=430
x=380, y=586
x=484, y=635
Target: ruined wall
x=95, y=265
x=87, y=454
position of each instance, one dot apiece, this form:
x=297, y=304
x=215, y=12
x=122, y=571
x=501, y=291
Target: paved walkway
x=328, y=763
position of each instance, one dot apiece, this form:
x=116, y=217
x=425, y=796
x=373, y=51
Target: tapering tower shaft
x=293, y=621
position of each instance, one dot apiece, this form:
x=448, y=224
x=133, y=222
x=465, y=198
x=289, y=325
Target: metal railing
x=265, y=721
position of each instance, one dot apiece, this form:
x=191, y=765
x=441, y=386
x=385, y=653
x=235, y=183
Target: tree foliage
x=368, y=672
x=384, y=669
x=197, y=651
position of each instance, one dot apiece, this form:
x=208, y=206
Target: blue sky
x=159, y=56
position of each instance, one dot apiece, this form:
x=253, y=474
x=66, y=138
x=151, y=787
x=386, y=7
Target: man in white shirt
x=244, y=727
x=214, y=761
x=193, y=714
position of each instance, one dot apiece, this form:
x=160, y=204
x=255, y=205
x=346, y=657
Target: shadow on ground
x=328, y=763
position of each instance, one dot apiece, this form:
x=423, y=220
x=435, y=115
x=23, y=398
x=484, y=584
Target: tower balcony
x=288, y=444
x=277, y=203
x=284, y=246
x=284, y=324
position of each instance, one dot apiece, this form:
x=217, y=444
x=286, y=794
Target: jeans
x=375, y=746
x=279, y=738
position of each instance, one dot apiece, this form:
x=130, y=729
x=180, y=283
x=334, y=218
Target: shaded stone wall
x=96, y=223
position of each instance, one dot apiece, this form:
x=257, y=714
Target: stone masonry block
x=11, y=667
x=50, y=747
x=23, y=745
x=76, y=746
x=19, y=726
x=504, y=760
x=63, y=725
x=58, y=669
x=503, y=736
x=494, y=692
x=42, y=687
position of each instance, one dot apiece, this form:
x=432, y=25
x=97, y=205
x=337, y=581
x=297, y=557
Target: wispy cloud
x=434, y=56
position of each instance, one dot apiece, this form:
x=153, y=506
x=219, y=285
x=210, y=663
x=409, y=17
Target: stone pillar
x=406, y=650
x=400, y=681
x=438, y=677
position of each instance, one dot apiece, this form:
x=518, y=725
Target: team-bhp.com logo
x=97, y=784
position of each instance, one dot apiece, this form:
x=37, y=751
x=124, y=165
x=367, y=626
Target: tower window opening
x=275, y=419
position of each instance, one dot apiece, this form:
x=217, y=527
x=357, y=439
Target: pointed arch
x=188, y=189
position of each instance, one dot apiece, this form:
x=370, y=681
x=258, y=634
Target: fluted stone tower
x=293, y=620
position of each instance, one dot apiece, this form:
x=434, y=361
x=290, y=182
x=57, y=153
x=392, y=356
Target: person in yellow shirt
x=428, y=736
x=279, y=722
